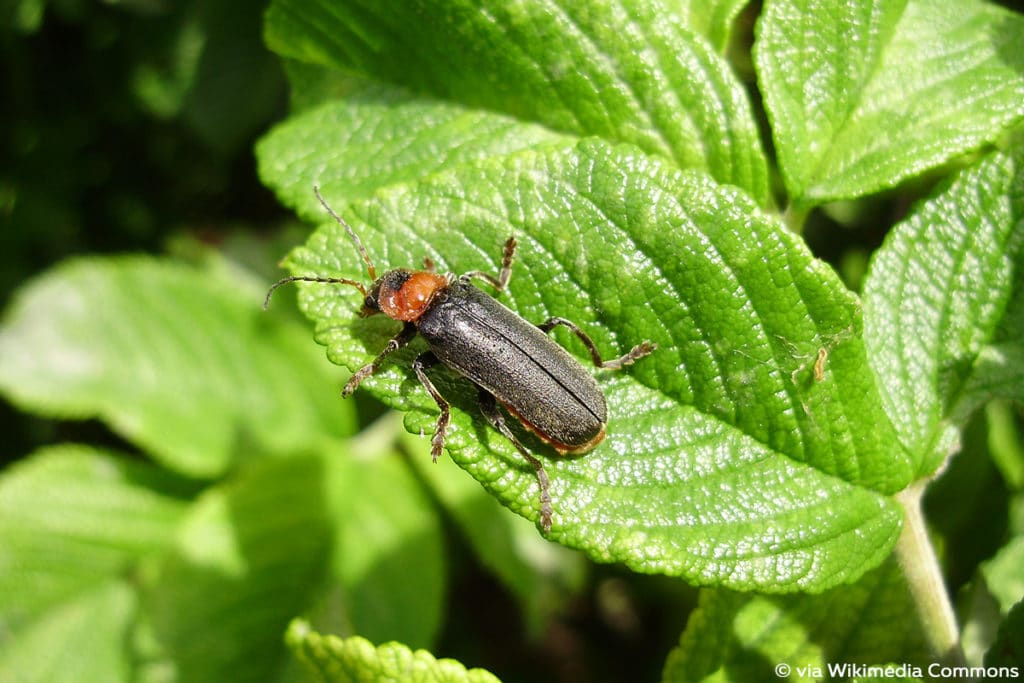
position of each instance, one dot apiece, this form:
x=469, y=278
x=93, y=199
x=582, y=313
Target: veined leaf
x=626, y=72
x=944, y=306
x=351, y=660
x=381, y=137
x=727, y=461
x=742, y=637
x=866, y=93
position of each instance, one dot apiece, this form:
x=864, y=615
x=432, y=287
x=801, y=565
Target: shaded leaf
x=1003, y=576
x=82, y=640
x=1008, y=649
x=542, y=576
x=712, y=19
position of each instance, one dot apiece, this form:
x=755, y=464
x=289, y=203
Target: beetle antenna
x=351, y=233
x=302, y=278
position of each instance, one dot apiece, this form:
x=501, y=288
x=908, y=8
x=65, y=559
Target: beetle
x=509, y=360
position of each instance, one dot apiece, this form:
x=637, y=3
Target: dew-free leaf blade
x=180, y=361
x=388, y=562
x=72, y=517
x=864, y=94
x=944, y=306
x=347, y=660
x=712, y=19
x=247, y=558
x=742, y=637
x=738, y=391
x=289, y=536
x=354, y=146
x=542, y=576
x=625, y=72
x=98, y=623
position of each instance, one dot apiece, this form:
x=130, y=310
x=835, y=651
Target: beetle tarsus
x=420, y=365
x=490, y=411
x=635, y=354
x=499, y=283
x=642, y=349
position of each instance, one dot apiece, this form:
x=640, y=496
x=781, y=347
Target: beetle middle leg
x=501, y=281
x=490, y=411
x=399, y=340
x=420, y=365
x=636, y=353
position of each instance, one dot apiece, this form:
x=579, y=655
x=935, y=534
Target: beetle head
x=403, y=294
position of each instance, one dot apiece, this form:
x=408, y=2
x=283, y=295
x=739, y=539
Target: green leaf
x=246, y=561
x=712, y=19
x=381, y=137
x=81, y=640
x=1003, y=576
x=944, y=306
x=290, y=536
x=1008, y=649
x=866, y=93
x=181, y=362
x=388, y=564
x=542, y=576
x=627, y=73
x=1006, y=442
x=726, y=461
x=336, y=660
x=72, y=517
x=737, y=637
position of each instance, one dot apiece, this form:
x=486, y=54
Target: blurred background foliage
x=128, y=126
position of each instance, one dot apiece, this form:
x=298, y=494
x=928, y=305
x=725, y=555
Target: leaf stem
x=924, y=577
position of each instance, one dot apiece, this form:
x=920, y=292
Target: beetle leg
x=635, y=354
x=506, y=268
x=490, y=411
x=400, y=340
x=420, y=365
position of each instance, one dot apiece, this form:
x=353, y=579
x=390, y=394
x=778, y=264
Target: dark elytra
x=511, y=361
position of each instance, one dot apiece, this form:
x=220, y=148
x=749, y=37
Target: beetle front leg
x=490, y=411
x=420, y=365
x=636, y=353
x=400, y=340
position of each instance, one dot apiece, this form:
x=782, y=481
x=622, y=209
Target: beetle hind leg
x=490, y=411
x=420, y=365
x=636, y=353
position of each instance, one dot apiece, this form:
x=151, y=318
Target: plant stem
x=924, y=577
